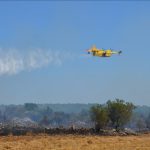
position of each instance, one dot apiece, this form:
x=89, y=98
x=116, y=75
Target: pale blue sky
x=67, y=29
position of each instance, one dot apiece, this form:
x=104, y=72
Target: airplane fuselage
x=102, y=53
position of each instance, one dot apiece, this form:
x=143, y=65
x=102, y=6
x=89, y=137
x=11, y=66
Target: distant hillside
x=67, y=108
x=143, y=110
x=72, y=108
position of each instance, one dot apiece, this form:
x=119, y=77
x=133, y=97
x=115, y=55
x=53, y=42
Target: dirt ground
x=73, y=142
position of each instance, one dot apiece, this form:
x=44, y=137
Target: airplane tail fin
x=88, y=51
x=91, y=49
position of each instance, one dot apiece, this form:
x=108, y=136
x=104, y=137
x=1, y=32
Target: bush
x=99, y=115
x=117, y=112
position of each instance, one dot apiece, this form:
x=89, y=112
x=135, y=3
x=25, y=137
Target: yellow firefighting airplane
x=102, y=52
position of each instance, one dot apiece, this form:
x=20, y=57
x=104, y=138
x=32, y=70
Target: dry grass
x=72, y=142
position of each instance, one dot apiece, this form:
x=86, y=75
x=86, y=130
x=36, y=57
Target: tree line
x=113, y=114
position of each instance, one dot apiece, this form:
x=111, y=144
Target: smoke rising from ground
x=13, y=61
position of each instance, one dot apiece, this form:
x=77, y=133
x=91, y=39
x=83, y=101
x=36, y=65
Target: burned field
x=75, y=142
x=71, y=139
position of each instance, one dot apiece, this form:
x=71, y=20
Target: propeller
x=119, y=52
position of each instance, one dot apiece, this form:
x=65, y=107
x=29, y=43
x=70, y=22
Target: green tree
x=30, y=106
x=119, y=112
x=99, y=115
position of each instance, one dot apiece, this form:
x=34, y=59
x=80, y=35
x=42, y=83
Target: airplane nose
x=119, y=52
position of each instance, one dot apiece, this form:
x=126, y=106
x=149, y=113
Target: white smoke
x=13, y=61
